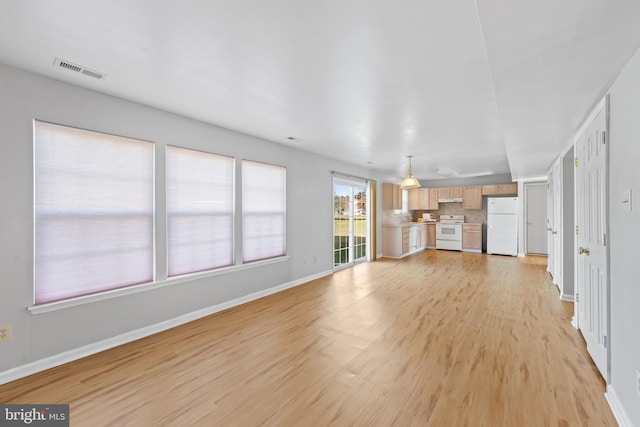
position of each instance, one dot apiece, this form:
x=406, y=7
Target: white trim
x=574, y=322
x=521, y=254
x=534, y=179
x=566, y=297
x=617, y=408
x=87, y=350
x=87, y=299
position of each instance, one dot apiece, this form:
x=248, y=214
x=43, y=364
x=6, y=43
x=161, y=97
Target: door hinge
x=604, y=341
x=604, y=240
x=576, y=162
x=577, y=230
x=577, y=297
x=604, y=137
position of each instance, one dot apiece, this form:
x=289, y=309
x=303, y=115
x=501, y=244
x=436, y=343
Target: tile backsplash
x=479, y=215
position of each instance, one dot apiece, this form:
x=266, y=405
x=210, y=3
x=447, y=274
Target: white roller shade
x=94, y=212
x=263, y=211
x=200, y=194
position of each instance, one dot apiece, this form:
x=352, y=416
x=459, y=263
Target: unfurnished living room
x=319, y=213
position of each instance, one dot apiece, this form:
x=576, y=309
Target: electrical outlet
x=5, y=332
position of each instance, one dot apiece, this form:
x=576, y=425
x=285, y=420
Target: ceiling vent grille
x=78, y=69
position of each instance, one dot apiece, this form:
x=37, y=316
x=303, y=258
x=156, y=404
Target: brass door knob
x=582, y=250
x=529, y=222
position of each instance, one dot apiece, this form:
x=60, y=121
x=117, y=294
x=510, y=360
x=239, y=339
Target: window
x=93, y=212
x=263, y=211
x=199, y=211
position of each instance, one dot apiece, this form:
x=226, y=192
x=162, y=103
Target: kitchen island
x=402, y=239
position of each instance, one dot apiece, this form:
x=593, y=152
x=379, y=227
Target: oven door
x=448, y=231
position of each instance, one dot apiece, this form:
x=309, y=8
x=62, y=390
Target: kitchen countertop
x=406, y=224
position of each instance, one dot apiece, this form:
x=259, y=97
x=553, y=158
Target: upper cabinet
x=472, y=198
x=433, y=199
x=455, y=192
x=449, y=193
x=500, y=190
x=391, y=196
x=418, y=199
x=508, y=189
x=423, y=199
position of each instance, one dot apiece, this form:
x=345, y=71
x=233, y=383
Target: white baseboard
x=616, y=407
x=87, y=350
x=567, y=297
x=574, y=322
x=521, y=254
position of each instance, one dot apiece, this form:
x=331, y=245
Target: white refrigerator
x=502, y=225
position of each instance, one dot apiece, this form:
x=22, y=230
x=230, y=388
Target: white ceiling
x=466, y=87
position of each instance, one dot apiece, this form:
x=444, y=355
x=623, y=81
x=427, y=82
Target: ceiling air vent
x=77, y=68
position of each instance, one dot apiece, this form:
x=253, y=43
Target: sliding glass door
x=350, y=222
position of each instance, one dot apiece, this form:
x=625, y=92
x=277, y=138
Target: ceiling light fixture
x=410, y=181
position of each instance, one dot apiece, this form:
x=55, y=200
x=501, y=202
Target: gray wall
x=624, y=232
x=25, y=96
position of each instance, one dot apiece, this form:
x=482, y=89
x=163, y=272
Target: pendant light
x=410, y=181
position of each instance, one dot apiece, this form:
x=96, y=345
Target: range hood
x=450, y=200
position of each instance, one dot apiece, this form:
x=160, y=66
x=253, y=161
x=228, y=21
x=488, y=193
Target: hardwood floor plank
x=438, y=338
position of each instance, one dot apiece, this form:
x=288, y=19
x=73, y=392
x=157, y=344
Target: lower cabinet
x=401, y=240
x=431, y=235
x=472, y=237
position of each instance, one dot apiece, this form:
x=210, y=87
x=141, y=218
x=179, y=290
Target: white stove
x=449, y=232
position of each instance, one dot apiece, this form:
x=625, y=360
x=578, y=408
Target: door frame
x=526, y=217
x=602, y=106
x=353, y=182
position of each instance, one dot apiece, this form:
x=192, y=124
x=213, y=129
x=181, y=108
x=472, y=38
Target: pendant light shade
x=410, y=181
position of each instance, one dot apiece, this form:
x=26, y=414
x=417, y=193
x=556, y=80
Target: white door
x=592, y=285
x=536, y=218
x=550, y=221
x=557, y=223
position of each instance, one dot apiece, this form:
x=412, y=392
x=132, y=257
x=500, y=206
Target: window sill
x=88, y=299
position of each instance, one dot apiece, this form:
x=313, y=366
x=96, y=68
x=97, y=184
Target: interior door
x=557, y=224
x=592, y=284
x=536, y=218
x=550, y=258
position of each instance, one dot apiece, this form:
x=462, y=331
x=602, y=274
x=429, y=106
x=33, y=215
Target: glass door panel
x=350, y=220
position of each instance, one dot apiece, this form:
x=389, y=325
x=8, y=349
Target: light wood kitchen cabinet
x=472, y=198
x=433, y=200
x=489, y=190
x=405, y=240
x=455, y=192
x=424, y=199
x=418, y=199
x=422, y=236
x=500, y=190
x=402, y=240
x=449, y=192
x=472, y=237
x=391, y=196
x=431, y=235
x=443, y=193
x=510, y=189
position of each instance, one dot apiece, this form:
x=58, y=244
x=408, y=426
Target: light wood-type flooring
x=436, y=339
